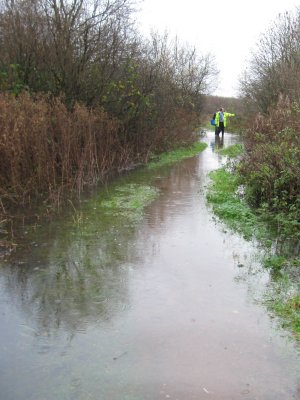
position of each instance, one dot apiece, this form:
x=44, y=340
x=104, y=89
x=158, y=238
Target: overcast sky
x=227, y=29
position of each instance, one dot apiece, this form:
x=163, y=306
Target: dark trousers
x=221, y=128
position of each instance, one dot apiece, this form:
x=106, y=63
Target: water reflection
x=80, y=272
x=217, y=143
x=174, y=191
x=76, y=273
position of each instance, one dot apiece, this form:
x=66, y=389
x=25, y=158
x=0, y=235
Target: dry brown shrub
x=48, y=152
x=44, y=147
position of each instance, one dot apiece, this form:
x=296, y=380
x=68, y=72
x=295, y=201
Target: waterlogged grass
x=289, y=311
x=177, y=155
x=283, y=300
x=130, y=200
x=232, y=151
x=282, y=296
x=227, y=205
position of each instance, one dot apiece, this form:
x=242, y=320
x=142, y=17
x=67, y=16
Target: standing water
x=110, y=307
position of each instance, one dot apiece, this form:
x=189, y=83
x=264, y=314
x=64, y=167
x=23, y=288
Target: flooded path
x=160, y=308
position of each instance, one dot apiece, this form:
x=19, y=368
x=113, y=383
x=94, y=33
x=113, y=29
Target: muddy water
x=160, y=307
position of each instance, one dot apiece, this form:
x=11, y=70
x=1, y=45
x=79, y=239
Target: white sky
x=227, y=29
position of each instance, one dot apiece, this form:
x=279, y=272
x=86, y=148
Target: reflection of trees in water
x=78, y=273
x=174, y=190
x=81, y=275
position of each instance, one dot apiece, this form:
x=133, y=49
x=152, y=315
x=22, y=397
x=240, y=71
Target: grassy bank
x=226, y=198
x=177, y=155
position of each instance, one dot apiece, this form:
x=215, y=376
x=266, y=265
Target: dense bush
x=271, y=165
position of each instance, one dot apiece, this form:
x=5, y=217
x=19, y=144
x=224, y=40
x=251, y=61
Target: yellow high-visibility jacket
x=226, y=115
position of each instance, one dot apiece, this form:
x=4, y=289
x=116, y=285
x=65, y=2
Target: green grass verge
x=232, y=151
x=283, y=296
x=285, y=304
x=289, y=311
x=227, y=205
x=177, y=155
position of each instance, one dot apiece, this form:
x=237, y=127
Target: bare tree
x=275, y=64
x=59, y=44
